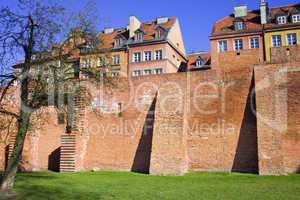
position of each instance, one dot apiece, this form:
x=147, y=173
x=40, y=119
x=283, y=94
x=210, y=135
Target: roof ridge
x=287, y=5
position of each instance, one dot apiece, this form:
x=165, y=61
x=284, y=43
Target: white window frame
x=135, y=58
x=281, y=19
x=254, y=43
x=146, y=55
x=221, y=46
x=87, y=63
x=276, y=43
x=238, y=42
x=160, y=55
x=116, y=59
x=199, y=63
x=239, y=25
x=296, y=18
x=137, y=72
x=288, y=41
x=139, y=37
x=148, y=70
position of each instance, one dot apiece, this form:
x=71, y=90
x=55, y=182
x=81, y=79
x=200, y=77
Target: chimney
x=134, y=24
x=240, y=11
x=108, y=30
x=162, y=20
x=264, y=11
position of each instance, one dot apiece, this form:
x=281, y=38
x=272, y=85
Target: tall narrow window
x=158, y=55
x=276, y=41
x=116, y=60
x=222, y=46
x=254, y=43
x=292, y=38
x=137, y=57
x=296, y=18
x=147, y=55
x=238, y=45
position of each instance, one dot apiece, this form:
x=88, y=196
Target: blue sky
x=196, y=16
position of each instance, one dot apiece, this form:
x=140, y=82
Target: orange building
x=237, y=40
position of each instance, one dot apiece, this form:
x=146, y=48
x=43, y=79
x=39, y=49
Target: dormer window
x=199, y=62
x=158, y=34
x=296, y=18
x=139, y=36
x=118, y=42
x=238, y=25
x=281, y=20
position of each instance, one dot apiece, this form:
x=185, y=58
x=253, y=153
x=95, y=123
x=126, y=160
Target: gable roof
x=192, y=59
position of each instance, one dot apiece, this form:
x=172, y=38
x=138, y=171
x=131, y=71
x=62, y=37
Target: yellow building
x=282, y=31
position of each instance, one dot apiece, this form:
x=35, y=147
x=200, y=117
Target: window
x=137, y=57
x=101, y=62
x=115, y=74
x=254, y=43
x=238, y=44
x=139, y=36
x=158, y=55
x=281, y=20
x=199, y=62
x=147, y=72
x=116, y=60
x=276, y=41
x=136, y=72
x=158, y=34
x=87, y=63
x=118, y=42
x=292, y=39
x=222, y=46
x=147, y=55
x=238, y=26
x=296, y=18
x=158, y=71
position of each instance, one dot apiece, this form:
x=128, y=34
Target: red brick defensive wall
x=175, y=123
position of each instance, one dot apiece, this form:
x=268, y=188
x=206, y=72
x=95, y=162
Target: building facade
x=143, y=48
x=252, y=37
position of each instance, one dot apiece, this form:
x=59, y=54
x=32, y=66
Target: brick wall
x=277, y=92
x=285, y=54
x=173, y=123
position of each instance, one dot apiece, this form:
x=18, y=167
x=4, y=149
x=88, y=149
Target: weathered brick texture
x=174, y=123
x=277, y=92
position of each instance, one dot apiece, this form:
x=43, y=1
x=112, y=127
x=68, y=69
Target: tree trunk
x=9, y=175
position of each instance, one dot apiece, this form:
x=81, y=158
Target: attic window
x=118, y=42
x=296, y=18
x=158, y=34
x=238, y=25
x=139, y=36
x=281, y=20
x=199, y=62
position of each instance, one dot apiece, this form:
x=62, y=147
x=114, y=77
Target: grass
x=131, y=186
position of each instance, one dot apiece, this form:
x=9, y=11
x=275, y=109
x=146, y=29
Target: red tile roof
x=192, y=59
x=252, y=21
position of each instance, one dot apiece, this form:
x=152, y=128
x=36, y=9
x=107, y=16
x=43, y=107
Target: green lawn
x=130, y=186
